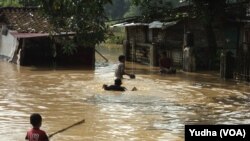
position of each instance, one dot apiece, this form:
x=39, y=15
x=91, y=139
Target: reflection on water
x=158, y=111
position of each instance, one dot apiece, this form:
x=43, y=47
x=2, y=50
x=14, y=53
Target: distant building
x=145, y=40
x=25, y=39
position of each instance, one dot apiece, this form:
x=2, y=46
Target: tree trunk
x=212, y=45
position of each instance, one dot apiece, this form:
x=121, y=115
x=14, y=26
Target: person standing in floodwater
x=120, y=70
x=165, y=64
x=35, y=134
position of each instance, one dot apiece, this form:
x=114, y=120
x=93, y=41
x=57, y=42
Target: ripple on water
x=126, y=99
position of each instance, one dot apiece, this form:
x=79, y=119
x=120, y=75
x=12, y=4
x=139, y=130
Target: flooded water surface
x=157, y=111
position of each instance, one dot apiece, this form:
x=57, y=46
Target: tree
x=29, y=2
x=117, y=9
x=9, y=3
x=19, y=2
x=210, y=12
x=213, y=14
x=132, y=11
x=84, y=17
x=154, y=9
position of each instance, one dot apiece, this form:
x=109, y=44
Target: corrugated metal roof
x=155, y=24
x=129, y=24
x=158, y=24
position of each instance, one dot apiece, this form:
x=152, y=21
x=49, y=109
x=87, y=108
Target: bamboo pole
x=101, y=55
x=64, y=129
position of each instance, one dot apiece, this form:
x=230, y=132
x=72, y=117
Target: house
x=145, y=41
x=26, y=39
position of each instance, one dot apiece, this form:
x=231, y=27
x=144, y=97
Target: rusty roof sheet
x=24, y=20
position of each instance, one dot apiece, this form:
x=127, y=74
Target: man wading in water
x=120, y=70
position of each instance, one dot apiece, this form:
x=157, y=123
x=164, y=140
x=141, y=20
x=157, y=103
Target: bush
x=116, y=36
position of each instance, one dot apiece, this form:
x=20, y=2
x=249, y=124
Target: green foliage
x=116, y=36
x=133, y=11
x=117, y=9
x=4, y=3
x=17, y=3
x=210, y=10
x=84, y=17
x=154, y=9
x=69, y=47
x=29, y=2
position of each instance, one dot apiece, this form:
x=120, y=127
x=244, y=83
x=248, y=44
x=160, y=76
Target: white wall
x=8, y=46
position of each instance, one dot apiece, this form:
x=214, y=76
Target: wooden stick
x=77, y=123
x=101, y=55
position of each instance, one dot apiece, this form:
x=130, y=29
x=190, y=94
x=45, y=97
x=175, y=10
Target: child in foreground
x=35, y=134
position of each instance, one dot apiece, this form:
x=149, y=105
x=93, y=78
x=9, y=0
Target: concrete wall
x=8, y=44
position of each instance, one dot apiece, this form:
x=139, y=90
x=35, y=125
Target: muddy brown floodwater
x=158, y=111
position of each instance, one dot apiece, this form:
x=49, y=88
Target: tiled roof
x=24, y=20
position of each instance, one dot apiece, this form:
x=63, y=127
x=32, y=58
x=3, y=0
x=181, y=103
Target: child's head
x=121, y=58
x=118, y=82
x=36, y=120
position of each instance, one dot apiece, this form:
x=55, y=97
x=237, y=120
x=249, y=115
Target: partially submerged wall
x=8, y=44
